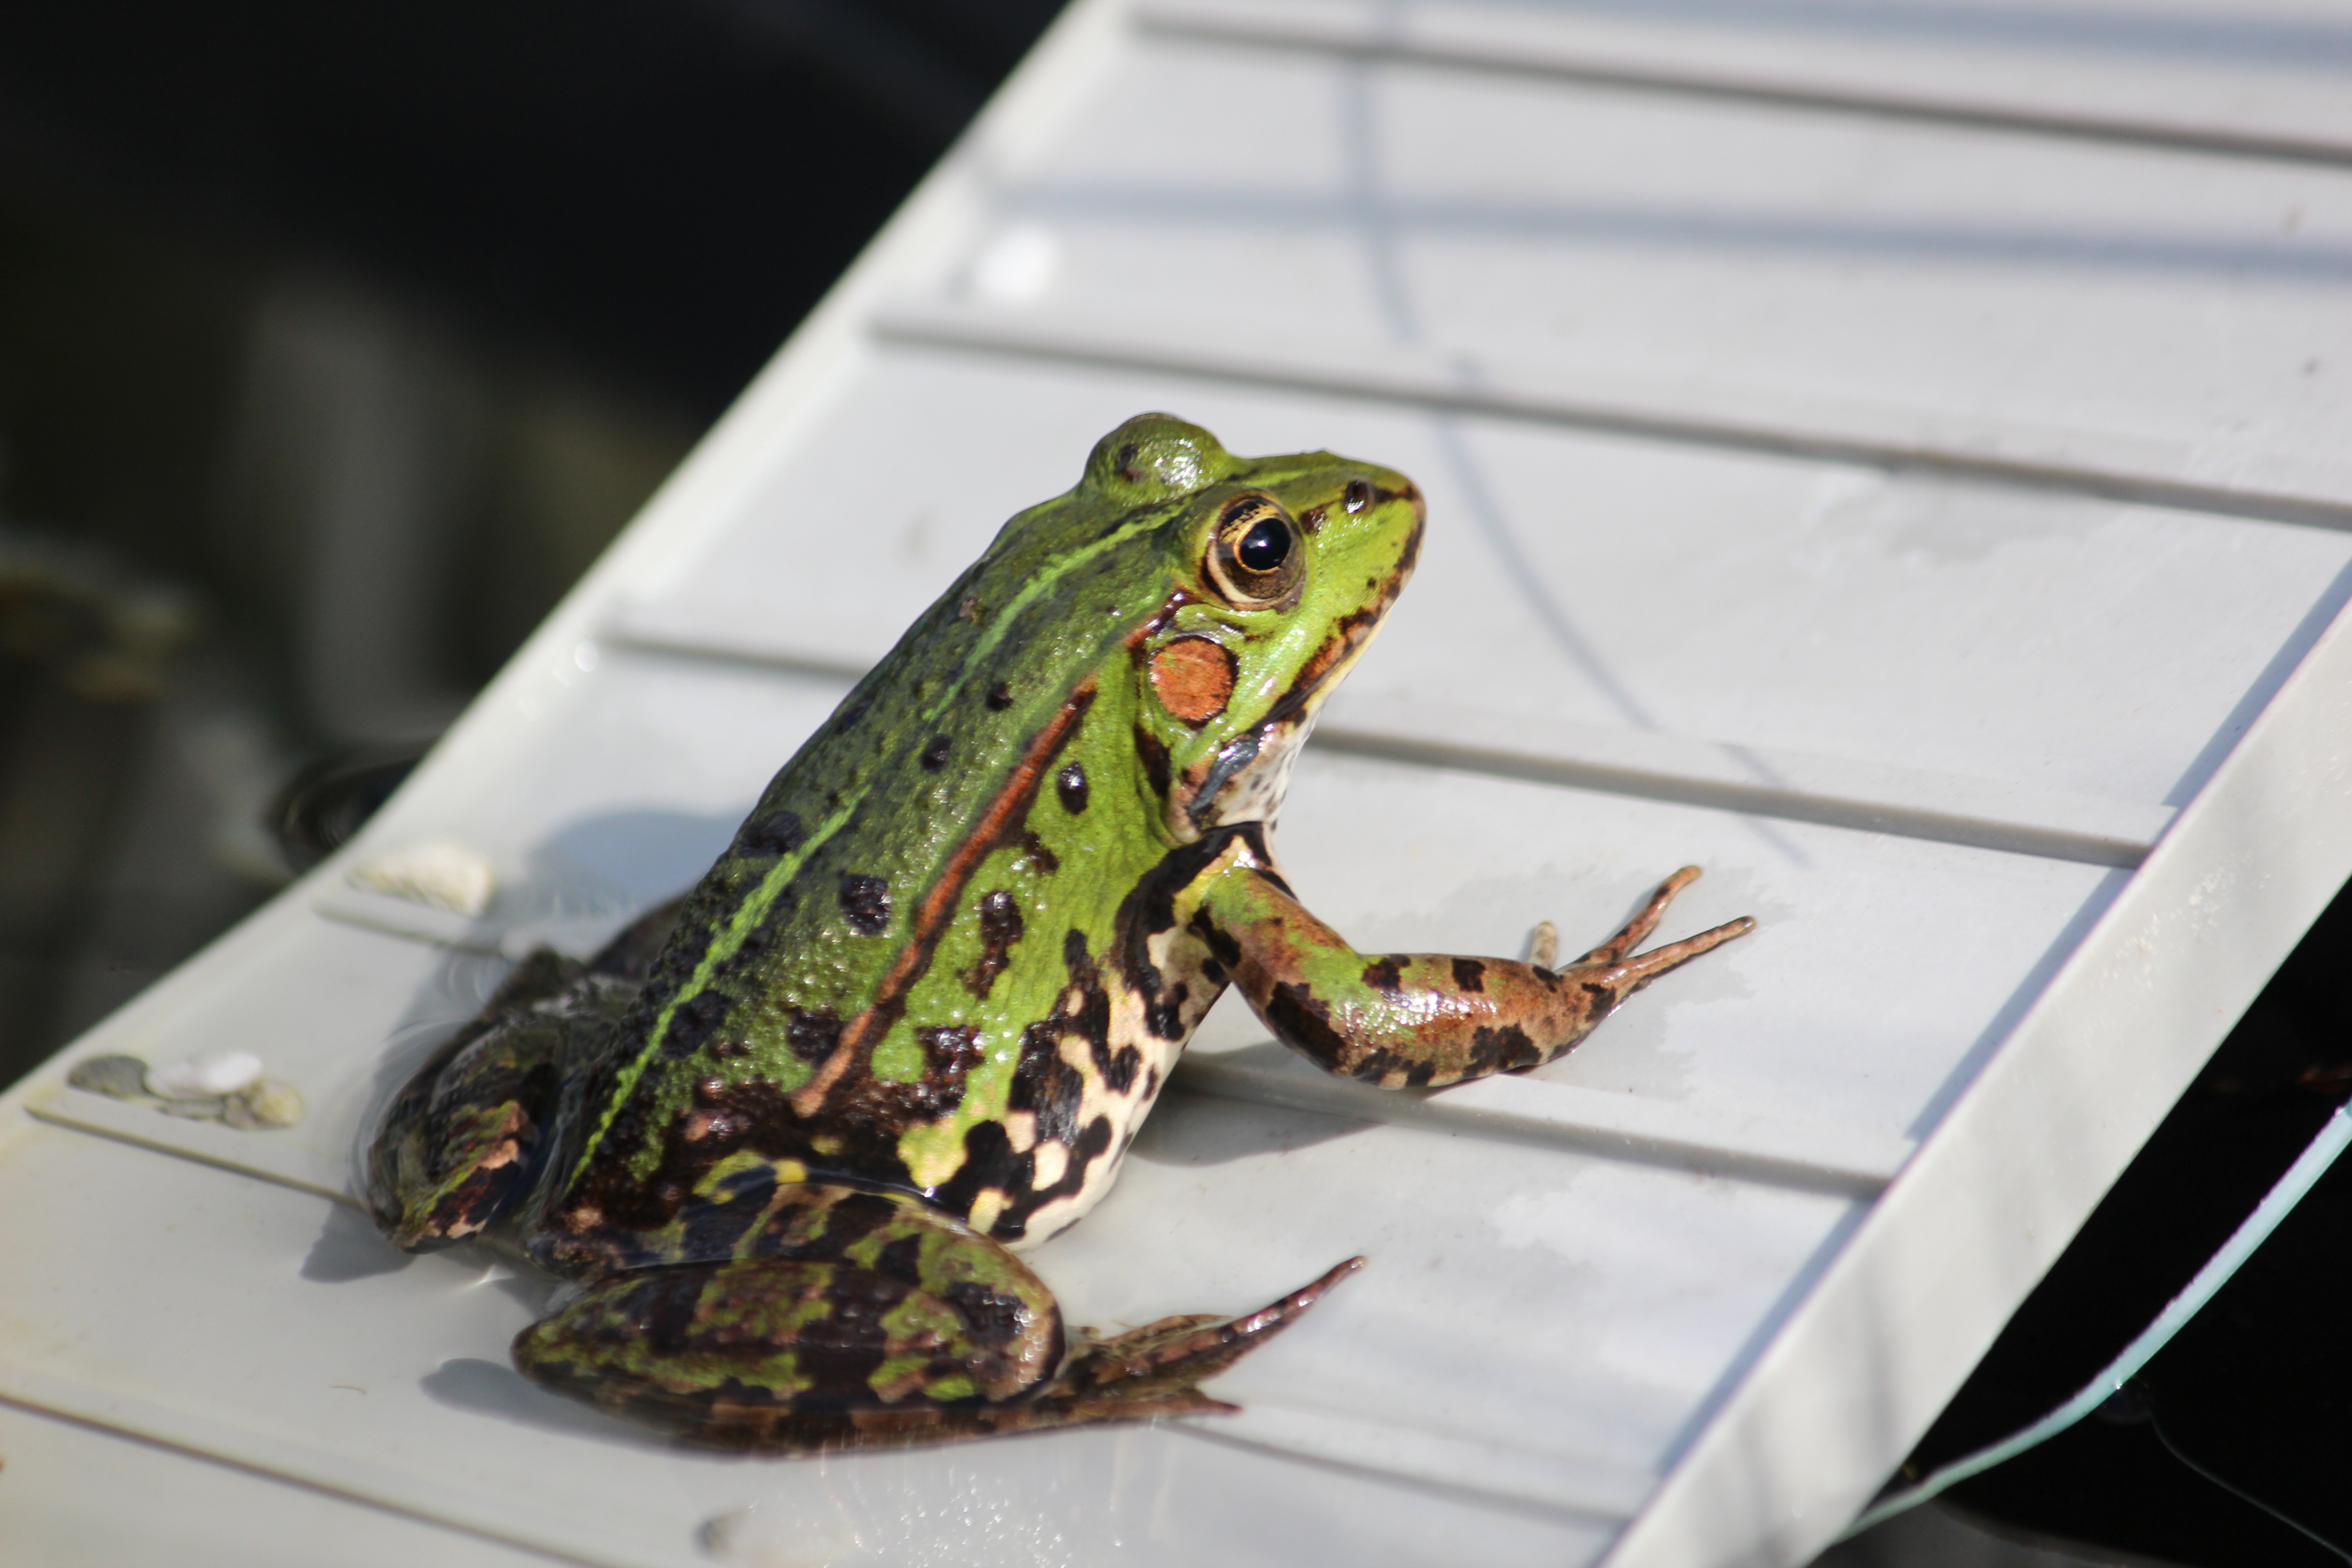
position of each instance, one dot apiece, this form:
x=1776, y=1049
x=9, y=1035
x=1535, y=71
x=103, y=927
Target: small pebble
x=209, y=1075
x=124, y=1078
x=443, y=874
x=220, y=1086
x=272, y=1102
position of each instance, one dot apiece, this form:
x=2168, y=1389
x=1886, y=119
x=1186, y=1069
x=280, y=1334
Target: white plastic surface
x=1905, y=519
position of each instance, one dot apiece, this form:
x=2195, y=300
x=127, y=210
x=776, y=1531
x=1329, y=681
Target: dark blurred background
x=335, y=342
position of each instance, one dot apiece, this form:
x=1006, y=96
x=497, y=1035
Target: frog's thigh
x=900, y=1313
x=456, y=1146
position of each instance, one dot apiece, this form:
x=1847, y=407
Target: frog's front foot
x=1421, y=1020
x=1627, y=971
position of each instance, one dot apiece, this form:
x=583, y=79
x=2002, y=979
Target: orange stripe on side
x=998, y=824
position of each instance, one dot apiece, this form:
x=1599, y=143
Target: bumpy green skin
x=847, y=1303
x=786, y=1130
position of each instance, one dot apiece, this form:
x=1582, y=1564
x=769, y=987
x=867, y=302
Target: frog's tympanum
x=788, y=1133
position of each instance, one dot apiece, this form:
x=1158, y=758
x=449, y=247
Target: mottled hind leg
x=456, y=1142
x=1158, y=1369
x=459, y=1143
x=870, y=1319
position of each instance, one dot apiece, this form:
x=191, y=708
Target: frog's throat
x=754, y=906
x=1247, y=779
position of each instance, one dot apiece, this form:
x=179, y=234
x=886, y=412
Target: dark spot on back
x=1042, y=860
x=949, y=1053
x=849, y=716
x=1385, y=974
x=1070, y=788
x=864, y=902
x=770, y=833
x=691, y=1025
x=935, y=754
x=812, y=1036
x=1000, y=698
x=1469, y=974
x=1000, y=928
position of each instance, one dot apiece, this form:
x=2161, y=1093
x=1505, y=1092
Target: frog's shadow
x=490, y=1388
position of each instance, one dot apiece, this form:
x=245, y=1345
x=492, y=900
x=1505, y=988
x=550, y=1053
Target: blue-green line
x=2280, y=1201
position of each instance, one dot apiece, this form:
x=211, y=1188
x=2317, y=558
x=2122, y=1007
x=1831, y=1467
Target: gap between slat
x=1664, y=413
x=1829, y=792
x=1354, y=37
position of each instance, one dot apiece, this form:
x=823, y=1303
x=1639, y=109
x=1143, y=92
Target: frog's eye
x=1254, y=558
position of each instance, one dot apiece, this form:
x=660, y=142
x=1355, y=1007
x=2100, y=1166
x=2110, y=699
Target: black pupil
x=1265, y=547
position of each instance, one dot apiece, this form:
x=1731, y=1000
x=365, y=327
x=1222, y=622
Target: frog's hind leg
x=457, y=1144
x=1156, y=1370
x=460, y=1142
x=871, y=1320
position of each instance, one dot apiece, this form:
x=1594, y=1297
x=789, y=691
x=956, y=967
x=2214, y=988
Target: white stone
x=212, y=1073
x=442, y=873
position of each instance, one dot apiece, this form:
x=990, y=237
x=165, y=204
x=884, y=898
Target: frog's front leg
x=872, y=1319
x=1409, y=1020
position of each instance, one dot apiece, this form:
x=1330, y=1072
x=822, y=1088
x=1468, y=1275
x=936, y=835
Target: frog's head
x=1279, y=571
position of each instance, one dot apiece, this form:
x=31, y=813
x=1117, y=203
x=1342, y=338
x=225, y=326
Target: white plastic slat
x=2249, y=80
x=71, y=1495
x=1603, y=1307
x=1920, y=1292
x=1883, y=965
x=1821, y=282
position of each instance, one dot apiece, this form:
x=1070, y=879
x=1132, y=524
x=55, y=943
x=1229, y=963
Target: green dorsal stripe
x=755, y=908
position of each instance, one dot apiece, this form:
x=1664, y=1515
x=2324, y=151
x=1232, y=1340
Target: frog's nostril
x=1359, y=495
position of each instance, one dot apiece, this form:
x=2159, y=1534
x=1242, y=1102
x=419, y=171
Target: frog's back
x=901, y=970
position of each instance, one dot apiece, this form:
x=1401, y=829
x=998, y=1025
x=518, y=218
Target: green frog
x=788, y=1134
